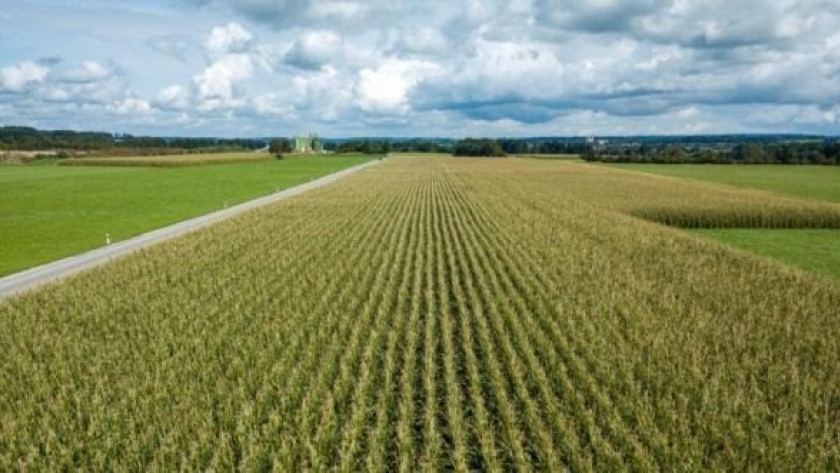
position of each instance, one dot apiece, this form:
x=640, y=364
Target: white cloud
x=57, y=94
x=422, y=40
x=315, y=84
x=322, y=93
x=727, y=24
x=174, y=97
x=131, y=105
x=502, y=72
x=219, y=79
x=504, y=66
x=347, y=10
x=273, y=105
x=90, y=71
x=231, y=38
x=17, y=78
x=385, y=89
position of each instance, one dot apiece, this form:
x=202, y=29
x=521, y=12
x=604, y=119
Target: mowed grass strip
x=48, y=212
x=427, y=314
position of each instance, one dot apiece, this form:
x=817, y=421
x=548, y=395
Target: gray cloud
x=600, y=16
x=523, y=112
x=314, y=49
x=50, y=61
x=287, y=13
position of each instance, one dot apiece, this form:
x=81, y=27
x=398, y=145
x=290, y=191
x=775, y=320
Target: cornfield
x=432, y=314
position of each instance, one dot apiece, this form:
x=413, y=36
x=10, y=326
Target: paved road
x=37, y=276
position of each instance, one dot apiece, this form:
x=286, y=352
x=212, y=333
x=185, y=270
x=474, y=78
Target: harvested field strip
x=428, y=314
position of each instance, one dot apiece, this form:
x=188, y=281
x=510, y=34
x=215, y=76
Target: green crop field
x=465, y=314
x=813, y=250
x=48, y=211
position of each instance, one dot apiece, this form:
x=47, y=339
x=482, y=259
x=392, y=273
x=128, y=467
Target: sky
x=431, y=68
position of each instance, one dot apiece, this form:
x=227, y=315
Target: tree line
x=720, y=149
x=392, y=145
x=30, y=139
x=465, y=147
x=825, y=152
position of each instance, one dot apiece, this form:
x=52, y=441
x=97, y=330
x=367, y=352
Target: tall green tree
x=280, y=146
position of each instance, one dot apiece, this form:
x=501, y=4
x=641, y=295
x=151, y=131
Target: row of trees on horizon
x=14, y=138
x=825, y=152
x=722, y=149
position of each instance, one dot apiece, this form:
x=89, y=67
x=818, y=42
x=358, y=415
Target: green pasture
x=814, y=250
x=48, y=212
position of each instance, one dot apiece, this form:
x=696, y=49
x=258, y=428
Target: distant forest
x=71, y=142
x=719, y=149
x=711, y=149
x=815, y=151
x=465, y=147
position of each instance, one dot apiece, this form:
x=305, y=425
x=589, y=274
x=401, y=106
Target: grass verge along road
x=48, y=212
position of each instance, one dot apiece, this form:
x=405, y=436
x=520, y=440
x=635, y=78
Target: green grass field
x=815, y=182
x=814, y=250
x=48, y=211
